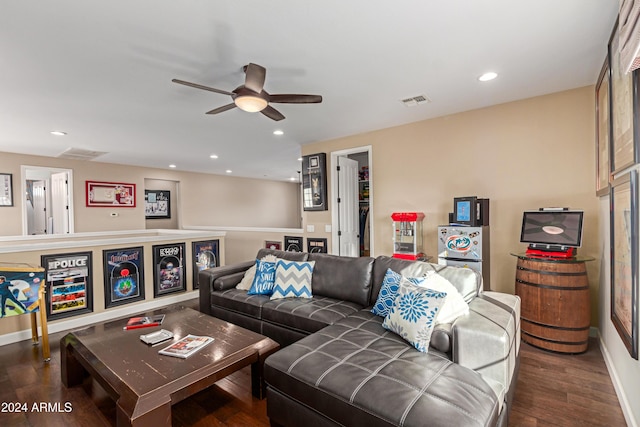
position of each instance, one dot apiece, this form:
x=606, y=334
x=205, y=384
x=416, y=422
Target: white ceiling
x=101, y=71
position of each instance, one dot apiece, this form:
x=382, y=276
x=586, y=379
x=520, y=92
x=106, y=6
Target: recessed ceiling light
x=58, y=133
x=214, y=156
x=488, y=76
x=172, y=166
x=299, y=159
x=278, y=132
x=293, y=178
x=228, y=171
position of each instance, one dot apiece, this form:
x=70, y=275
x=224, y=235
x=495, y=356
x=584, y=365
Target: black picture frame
x=206, y=254
x=168, y=269
x=293, y=243
x=157, y=204
x=624, y=259
x=6, y=190
x=317, y=245
x=69, y=284
x=314, y=182
x=603, y=130
x=123, y=276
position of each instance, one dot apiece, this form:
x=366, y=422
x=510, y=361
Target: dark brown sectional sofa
x=339, y=366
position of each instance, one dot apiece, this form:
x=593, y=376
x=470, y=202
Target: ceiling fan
x=252, y=97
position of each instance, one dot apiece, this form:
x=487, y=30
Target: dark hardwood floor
x=553, y=390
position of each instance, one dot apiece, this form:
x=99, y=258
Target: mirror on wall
x=48, y=200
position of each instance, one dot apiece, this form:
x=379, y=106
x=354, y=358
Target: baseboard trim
x=617, y=385
x=103, y=316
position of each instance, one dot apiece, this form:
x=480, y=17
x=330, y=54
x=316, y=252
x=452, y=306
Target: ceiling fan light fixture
x=250, y=103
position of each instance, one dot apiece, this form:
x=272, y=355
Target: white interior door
x=348, y=219
x=38, y=222
x=60, y=203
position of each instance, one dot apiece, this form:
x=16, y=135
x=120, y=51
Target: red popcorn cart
x=407, y=235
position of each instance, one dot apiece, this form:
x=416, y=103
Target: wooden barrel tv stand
x=555, y=304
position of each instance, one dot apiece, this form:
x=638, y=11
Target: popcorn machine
x=407, y=235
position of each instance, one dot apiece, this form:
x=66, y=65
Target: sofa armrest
x=487, y=340
x=209, y=281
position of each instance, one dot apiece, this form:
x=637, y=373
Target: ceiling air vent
x=416, y=100
x=80, y=154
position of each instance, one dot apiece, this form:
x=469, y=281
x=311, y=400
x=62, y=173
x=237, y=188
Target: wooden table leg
x=72, y=373
x=157, y=416
x=258, y=385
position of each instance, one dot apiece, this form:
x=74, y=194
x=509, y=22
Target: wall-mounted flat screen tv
x=555, y=228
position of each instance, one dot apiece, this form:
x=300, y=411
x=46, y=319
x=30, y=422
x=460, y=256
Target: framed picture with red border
x=110, y=194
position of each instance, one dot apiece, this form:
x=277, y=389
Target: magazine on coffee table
x=186, y=346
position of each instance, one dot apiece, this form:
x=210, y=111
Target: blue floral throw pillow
x=389, y=290
x=414, y=314
x=264, y=279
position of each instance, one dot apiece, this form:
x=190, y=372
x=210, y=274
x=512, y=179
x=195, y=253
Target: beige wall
x=204, y=199
x=522, y=155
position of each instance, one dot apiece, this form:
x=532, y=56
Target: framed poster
x=623, y=99
x=6, y=189
x=168, y=269
x=603, y=131
x=293, y=244
x=318, y=245
x=157, y=204
x=69, y=290
x=123, y=276
x=205, y=255
x=110, y=194
x=624, y=259
x=273, y=244
x=314, y=182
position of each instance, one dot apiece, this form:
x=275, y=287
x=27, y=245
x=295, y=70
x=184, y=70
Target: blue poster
x=124, y=276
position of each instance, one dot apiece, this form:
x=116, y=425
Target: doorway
x=48, y=196
x=352, y=222
x=170, y=191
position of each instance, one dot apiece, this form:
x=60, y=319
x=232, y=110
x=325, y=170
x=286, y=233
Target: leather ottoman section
x=357, y=373
x=238, y=300
x=307, y=314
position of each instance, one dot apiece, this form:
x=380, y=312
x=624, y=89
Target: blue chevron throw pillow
x=293, y=279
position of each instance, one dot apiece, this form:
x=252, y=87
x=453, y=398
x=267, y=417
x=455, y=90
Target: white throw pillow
x=250, y=274
x=454, y=305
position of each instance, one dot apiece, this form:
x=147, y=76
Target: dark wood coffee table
x=145, y=384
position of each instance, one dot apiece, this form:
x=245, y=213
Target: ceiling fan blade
x=222, y=109
x=197, y=86
x=254, y=79
x=295, y=99
x=272, y=113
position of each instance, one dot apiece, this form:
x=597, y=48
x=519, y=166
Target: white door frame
x=23, y=186
x=334, y=192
